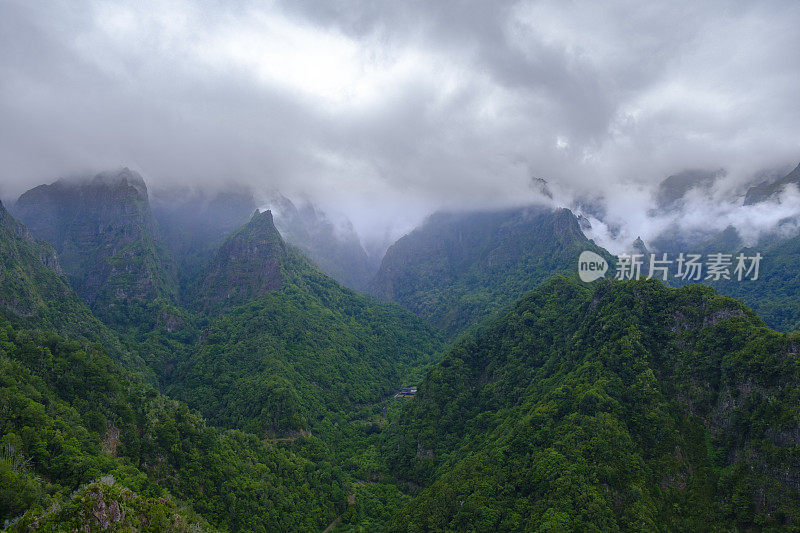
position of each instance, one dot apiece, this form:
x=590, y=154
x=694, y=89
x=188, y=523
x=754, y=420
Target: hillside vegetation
x=626, y=406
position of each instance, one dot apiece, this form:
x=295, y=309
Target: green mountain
x=612, y=406
x=460, y=268
x=26, y=291
x=289, y=345
x=34, y=294
x=107, y=243
x=72, y=418
x=84, y=443
x=246, y=266
x=194, y=223
x=620, y=406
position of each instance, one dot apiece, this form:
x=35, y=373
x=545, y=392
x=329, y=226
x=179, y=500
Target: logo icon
x=591, y=266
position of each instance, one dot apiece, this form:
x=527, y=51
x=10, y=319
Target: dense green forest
x=623, y=406
x=72, y=417
x=301, y=348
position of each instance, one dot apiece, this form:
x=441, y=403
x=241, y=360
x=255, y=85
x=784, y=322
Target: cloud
x=387, y=110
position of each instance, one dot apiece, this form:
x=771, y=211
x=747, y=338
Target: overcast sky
x=389, y=109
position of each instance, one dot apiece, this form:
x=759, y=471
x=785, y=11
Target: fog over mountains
x=388, y=112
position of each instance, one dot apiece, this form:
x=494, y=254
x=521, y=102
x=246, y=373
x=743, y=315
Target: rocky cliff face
x=42, y=250
x=106, y=238
x=247, y=265
x=33, y=292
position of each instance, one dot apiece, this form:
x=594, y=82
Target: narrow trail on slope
x=351, y=499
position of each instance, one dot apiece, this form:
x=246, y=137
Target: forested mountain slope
x=460, y=268
x=34, y=294
x=620, y=406
x=291, y=344
x=107, y=242
x=71, y=416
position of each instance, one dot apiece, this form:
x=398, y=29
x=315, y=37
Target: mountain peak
x=247, y=265
x=124, y=177
x=262, y=225
x=106, y=238
x=328, y=240
x=639, y=246
x=458, y=268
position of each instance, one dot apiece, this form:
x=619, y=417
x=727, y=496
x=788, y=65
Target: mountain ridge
x=458, y=268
